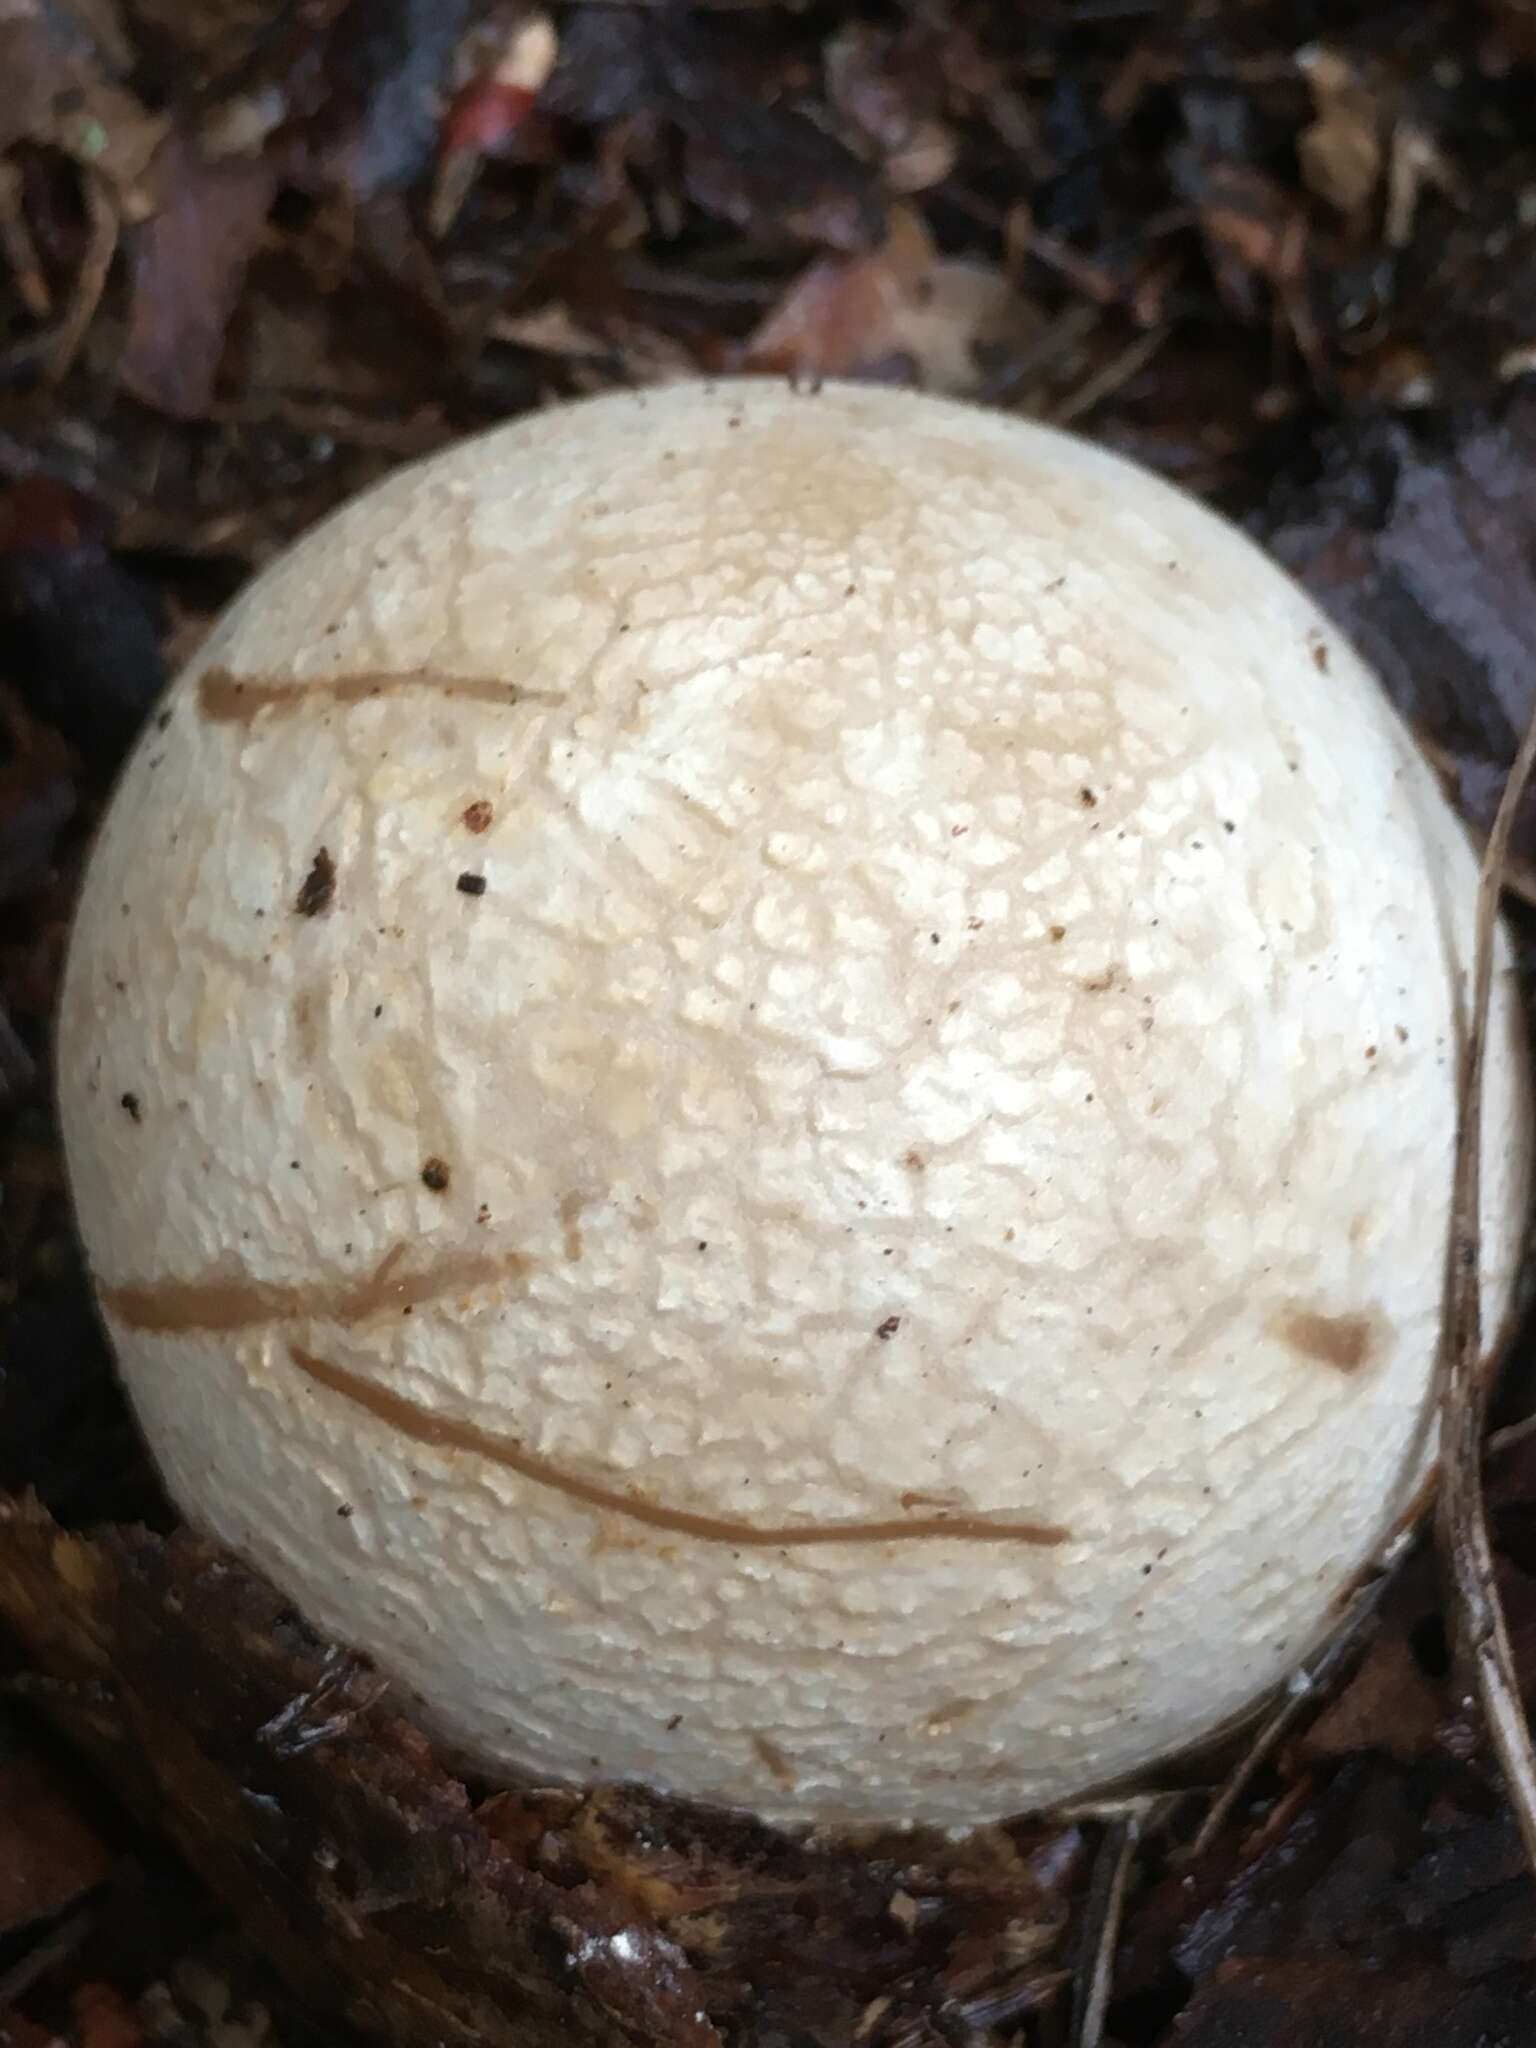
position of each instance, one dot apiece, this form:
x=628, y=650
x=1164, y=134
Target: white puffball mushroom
x=762, y=1083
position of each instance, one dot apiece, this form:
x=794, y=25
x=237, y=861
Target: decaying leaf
x=189, y=263
x=1423, y=545
x=900, y=309
x=1341, y=153
x=1389, y=1704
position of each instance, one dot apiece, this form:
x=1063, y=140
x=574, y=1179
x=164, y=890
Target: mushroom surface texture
x=763, y=1084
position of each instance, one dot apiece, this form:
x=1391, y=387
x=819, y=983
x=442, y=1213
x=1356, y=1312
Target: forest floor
x=254, y=253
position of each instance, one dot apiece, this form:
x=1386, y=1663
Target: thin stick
x=1109, y=377
x=1462, y=1521
x=1299, y=1697
x=18, y=247
x=105, y=227
x=1101, y=1925
x=53, y=1948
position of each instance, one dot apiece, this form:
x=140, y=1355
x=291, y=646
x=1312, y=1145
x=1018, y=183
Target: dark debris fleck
x=317, y=892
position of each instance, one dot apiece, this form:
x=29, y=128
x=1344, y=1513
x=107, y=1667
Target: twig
x=91, y=278
x=1093, y=280
x=18, y=247
x=1299, y=1696
x=18, y=1069
x=1101, y=1925
x=1109, y=377
x=1061, y=335
x=53, y=1948
x=415, y=434
x=1519, y=875
x=1462, y=1522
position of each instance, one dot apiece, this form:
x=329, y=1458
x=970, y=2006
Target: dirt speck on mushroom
x=317, y=892
x=1345, y=1342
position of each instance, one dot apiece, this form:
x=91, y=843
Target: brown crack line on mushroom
x=224, y=1302
x=446, y=1432
x=228, y=699
x=220, y=1305
x=570, y=1207
x=1344, y=1342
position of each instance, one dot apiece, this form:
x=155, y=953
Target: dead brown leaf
x=1341, y=153
x=1388, y=1705
x=841, y=313
x=1422, y=544
x=188, y=265
x=901, y=306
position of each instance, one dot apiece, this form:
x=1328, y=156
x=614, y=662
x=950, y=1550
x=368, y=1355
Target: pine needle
x=1102, y=1914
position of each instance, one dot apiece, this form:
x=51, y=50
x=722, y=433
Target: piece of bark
x=358, y=1866
x=1347, y=2003
x=362, y=1871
